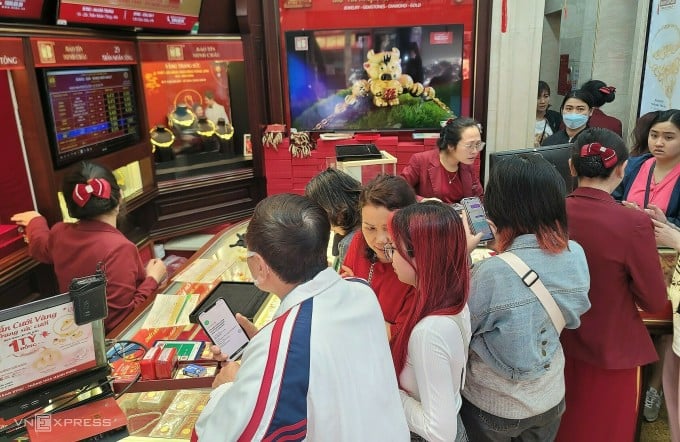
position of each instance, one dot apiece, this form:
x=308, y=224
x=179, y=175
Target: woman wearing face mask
x=652, y=180
x=576, y=108
x=366, y=254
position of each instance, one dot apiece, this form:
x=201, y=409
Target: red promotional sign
x=31, y=9
x=11, y=54
x=339, y=14
x=182, y=73
x=68, y=52
x=171, y=14
x=191, y=51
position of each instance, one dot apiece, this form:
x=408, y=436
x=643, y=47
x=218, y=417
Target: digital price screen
x=93, y=110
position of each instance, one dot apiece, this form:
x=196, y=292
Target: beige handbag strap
x=531, y=280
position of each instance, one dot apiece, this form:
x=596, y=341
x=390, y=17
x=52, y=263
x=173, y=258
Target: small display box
x=365, y=170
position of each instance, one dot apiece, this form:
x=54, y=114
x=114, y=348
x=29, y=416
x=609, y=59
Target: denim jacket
x=511, y=330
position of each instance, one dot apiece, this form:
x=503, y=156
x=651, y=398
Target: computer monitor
x=558, y=155
x=44, y=354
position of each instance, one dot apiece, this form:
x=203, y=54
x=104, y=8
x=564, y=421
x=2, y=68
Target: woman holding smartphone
x=514, y=387
x=430, y=353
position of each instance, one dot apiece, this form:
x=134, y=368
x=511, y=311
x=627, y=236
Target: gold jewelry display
x=161, y=137
x=224, y=130
x=182, y=121
x=204, y=131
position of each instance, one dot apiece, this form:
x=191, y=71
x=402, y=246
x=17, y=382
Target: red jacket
x=424, y=174
x=625, y=272
x=395, y=298
x=600, y=119
x=76, y=248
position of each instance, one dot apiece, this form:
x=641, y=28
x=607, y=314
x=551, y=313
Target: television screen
x=40, y=344
x=397, y=78
x=179, y=15
x=558, y=155
x=92, y=111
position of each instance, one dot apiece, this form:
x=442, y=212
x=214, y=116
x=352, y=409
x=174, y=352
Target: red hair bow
x=607, y=154
x=607, y=89
x=98, y=187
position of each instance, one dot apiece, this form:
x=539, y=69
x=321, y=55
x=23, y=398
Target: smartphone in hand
x=477, y=217
x=220, y=324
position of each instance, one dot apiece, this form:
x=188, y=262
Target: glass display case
x=196, y=105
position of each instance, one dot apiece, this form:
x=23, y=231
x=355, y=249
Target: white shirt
x=433, y=375
x=330, y=378
x=216, y=112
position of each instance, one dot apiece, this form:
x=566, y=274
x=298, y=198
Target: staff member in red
x=604, y=355
x=93, y=197
x=366, y=253
x=448, y=173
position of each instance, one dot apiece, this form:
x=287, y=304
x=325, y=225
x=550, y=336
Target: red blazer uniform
x=600, y=119
x=424, y=174
x=76, y=248
x=624, y=273
x=395, y=298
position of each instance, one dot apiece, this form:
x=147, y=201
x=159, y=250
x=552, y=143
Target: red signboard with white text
x=28, y=9
x=70, y=52
x=180, y=15
x=11, y=53
x=183, y=72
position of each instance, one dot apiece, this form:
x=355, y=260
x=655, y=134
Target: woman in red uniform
x=604, y=355
x=602, y=94
x=93, y=197
x=366, y=254
x=448, y=173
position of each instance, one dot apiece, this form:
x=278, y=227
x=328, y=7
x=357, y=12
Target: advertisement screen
x=41, y=347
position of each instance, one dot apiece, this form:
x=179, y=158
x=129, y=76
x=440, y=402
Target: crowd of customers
x=403, y=332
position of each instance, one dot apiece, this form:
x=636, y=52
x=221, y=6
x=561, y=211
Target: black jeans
x=485, y=427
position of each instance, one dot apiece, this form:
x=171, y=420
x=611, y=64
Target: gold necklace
x=452, y=177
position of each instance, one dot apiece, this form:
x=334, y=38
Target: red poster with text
x=167, y=14
x=29, y=9
x=189, y=75
x=83, y=52
x=335, y=55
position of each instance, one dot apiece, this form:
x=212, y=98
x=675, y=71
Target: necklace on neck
x=450, y=175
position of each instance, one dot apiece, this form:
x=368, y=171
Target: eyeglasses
x=389, y=251
x=478, y=146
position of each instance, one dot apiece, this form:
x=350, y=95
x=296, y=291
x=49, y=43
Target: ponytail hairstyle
x=596, y=152
x=94, y=206
x=452, y=132
x=431, y=237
